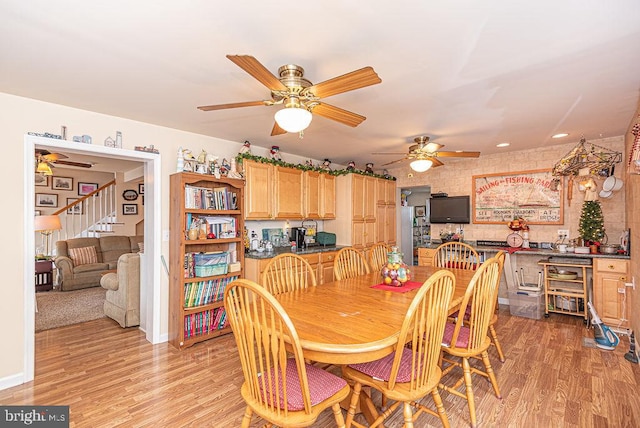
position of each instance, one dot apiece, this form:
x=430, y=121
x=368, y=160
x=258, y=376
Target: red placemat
x=407, y=286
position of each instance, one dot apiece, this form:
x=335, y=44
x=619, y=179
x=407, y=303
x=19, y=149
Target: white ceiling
x=469, y=74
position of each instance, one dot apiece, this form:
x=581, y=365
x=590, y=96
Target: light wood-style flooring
x=111, y=377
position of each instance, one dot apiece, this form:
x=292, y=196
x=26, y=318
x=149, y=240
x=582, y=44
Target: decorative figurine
x=308, y=163
x=326, y=165
x=369, y=168
x=216, y=169
x=180, y=164
x=246, y=148
x=202, y=157
x=186, y=153
x=274, y=153
x=233, y=172
x=385, y=174
x=352, y=166
x=225, y=167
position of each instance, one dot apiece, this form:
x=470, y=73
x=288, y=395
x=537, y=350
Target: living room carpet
x=60, y=308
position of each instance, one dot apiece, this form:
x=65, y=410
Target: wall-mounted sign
x=130, y=195
x=532, y=195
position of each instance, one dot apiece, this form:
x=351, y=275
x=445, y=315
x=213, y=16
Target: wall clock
x=514, y=240
x=130, y=195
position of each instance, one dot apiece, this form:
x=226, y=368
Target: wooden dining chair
x=500, y=256
x=287, y=272
x=278, y=385
x=378, y=256
x=411, y=372
x=456, y=255
x=349, y=263
x=468, y=339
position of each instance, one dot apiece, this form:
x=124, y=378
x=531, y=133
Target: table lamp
x=46, y=224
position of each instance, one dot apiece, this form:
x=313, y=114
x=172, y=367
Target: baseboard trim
x=10, y=381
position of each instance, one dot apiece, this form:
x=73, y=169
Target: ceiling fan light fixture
x=293, y=119
x=44, y=169
x=421, y=165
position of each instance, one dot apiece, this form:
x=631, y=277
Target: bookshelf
x=206, y=253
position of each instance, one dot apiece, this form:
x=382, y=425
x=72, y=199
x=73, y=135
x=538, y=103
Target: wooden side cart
x=565, y=288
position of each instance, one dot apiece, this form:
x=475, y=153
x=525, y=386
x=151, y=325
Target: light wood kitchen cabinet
x=319, y=195
x=288, y=193
x=259, y=190
x=272, y=192
x=321, y=263
x=386, y=224
x=609, y=276
x=425, y=256
x=357, y=214
x=327, y=196
x=386, y=192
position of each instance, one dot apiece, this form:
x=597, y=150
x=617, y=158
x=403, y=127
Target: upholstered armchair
x=122, y=302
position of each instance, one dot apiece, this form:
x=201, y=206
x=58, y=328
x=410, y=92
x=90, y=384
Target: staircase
x=92, y=215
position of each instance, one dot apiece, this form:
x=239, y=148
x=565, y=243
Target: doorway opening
x=151, y=268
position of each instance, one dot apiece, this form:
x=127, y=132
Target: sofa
x=81, y=262
x=122, y=302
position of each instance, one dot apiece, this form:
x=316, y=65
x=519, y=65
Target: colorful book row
x=205, y=292
x=205, y=322
x=218, y=198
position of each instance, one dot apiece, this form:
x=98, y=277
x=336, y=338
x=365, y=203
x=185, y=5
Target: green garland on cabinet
x=241, y=156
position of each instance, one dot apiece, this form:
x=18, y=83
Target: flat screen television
x=454, y=209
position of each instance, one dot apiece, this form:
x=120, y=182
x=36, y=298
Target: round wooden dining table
x=348, y=321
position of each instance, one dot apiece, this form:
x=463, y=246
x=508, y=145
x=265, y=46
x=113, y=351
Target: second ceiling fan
x=424, y=154
x=299, y=96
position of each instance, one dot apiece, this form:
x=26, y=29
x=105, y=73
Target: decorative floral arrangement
x=241, y=156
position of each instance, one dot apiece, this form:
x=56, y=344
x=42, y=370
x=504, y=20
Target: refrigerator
x=414, y=232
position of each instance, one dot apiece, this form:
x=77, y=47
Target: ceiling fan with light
x=299, y=96
x=46, y=160
x=424, y=155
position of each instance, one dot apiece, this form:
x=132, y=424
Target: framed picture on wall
x=46, y=200
x=140, y=188
x=76, y=209
x=86, y=188
x=42, y=181
x=420, y=210
x=62, y=183
x=129, y=209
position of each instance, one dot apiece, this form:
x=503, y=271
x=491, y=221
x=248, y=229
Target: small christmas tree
x=591, y=226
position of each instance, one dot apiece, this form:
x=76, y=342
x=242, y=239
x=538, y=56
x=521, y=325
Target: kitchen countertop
x=535, y=251
x=282, y=250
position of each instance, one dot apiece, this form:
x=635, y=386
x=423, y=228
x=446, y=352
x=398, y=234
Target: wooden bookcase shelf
x=196, y=309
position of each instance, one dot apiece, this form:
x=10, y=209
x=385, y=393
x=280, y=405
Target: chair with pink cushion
x=278, y=385
x=411, y=372
x=465, y=339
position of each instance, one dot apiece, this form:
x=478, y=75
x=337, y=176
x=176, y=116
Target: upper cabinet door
x=312, y=191
x=357, y=197
x=370, y=198
x=327, y=196
x=288, y=193
x=259, y=190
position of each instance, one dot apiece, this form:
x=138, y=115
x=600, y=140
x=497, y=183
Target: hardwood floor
x=111, y=377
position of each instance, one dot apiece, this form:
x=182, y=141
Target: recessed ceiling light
x=560, y=135
x=503, y=145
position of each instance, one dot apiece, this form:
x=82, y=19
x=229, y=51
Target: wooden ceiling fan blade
x=71, y=163
x=389, y=153
x=347, y=82
x=436, y=162
x=232, y=105
x=458, y=154
x=277, y=130
x=339, y=115
x=427, y=148
x=258, y=71
x=395, y=161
